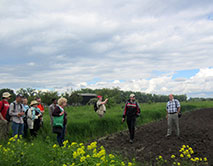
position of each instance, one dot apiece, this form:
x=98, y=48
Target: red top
x=41, y=107
x=6, y=107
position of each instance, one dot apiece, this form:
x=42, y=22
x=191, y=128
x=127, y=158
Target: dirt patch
x=196, y=130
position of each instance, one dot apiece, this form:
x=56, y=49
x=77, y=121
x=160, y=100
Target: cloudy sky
x=152, y=46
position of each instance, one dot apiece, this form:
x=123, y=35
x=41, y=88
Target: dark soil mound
x=196, y=130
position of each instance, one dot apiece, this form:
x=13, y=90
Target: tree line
x=115, y=95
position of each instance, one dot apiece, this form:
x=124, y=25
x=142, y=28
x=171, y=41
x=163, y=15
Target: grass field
x=85, y=125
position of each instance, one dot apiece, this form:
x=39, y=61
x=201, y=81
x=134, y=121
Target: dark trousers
x=33, y=133
x=25, y=127
x=60, y=137
x=131, y=125
x=37, y=124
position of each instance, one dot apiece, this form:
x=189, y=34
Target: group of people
x=20, y=115
x=23, y=116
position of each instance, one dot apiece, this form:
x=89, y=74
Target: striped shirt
x=172, y=106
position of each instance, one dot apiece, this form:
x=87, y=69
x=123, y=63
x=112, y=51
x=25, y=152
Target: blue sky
x=152, y=46
x=185, y=73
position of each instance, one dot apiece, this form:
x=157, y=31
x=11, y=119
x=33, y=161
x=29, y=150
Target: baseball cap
x=19, y=95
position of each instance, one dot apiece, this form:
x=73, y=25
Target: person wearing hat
x=4, y=124
x=101, y=106
x=17, y=113
x=33, y=115
x=131, y=111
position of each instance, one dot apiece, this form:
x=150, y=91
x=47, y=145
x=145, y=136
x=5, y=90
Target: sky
x=151, y=46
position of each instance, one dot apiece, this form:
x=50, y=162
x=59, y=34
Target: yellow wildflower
x=122, y=163
x=129, y=164
x=103, y=158
x=75, y=155
x=178, y=163
x=160, y=157
x=111, y=156
x=73, y=143
x=172, y=156
x=205, y=159
x=88, y=156
x=93, y=145
x=189, y=156
x=181, y=155
x=94, y=151
x=83, y=159
x=54, y=146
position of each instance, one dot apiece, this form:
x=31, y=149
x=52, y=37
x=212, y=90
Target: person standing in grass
x=4, y=124
x=172, y=109
x=131, y=111
x=41, y=107
x=26, y=107
x=101, y=106
x=51, y=109
x=17, y=113
x=33, y=116
x=60, y=120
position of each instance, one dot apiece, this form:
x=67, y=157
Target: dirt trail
x=196, y=129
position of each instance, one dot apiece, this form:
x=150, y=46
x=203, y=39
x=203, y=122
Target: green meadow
x=84, y=125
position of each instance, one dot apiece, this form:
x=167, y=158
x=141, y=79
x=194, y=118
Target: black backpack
x=95, y=107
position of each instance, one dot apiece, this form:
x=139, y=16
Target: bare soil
x=196, y=130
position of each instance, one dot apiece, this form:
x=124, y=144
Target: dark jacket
x=57, y=111
x=131, y=109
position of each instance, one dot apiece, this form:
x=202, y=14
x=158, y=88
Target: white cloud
x=68, y=43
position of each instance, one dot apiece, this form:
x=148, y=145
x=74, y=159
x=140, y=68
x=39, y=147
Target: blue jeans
x=60, y=137
x=17, y=128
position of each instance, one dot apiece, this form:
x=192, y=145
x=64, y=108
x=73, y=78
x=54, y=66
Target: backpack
x=8, y=116
x=26, y=116
x=95, y=107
